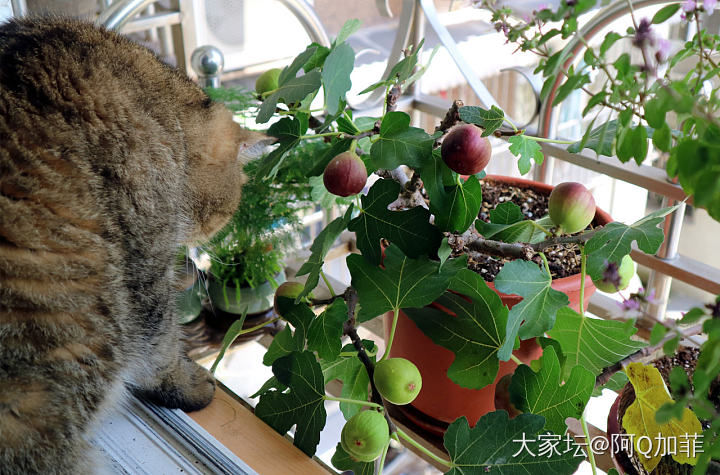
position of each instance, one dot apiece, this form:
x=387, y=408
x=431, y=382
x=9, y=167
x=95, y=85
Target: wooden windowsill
x=234, y=425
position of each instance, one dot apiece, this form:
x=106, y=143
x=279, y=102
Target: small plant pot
x=627, y=463
x=441, y=401
x=189, y=304
x=188, y=301
x=239, y=300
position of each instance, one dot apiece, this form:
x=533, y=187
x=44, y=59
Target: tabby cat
x=109, y=160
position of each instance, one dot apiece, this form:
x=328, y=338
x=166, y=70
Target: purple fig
x=465, y=150
x=345, y=175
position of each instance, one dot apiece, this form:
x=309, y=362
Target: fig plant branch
x=351, y=298
x=644, y=353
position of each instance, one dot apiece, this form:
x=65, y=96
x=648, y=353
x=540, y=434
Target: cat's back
x=87, y=170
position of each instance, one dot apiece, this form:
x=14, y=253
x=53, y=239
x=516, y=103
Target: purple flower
x=663, y=50
x=709, y=5
x=689, y=6
x=637, y=299
x=501, y=26
x=644, y=34
x=611, y=275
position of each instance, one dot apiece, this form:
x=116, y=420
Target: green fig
x=398, y=380
x=267, y=81
x=365, y=435
x=625, y=271
x=285, y=296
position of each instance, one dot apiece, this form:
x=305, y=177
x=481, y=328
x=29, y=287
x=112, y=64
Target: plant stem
x=519, y=250
x=541, y=228
x=506, y=119
x=591, y=456
x=359, y=135
x=603, y=377
x=543, y=139
x=516, y=359
x=392, y=334
x=545, y=262
x=353, y=401
x=382, y=458
x=353, y=145
x=258, y=327
x=325, y=134
x=425, y=451
x=327, y=283
x=583, y=273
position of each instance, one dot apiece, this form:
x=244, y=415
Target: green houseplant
x=415, y=227
x=247, y=256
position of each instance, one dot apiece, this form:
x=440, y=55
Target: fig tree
x=465, y=150
x=616, y=277
x=285, y=296
x=267, y=81
x=398, y=380
x=345, y=175
x=571, y=207
x=365, y=435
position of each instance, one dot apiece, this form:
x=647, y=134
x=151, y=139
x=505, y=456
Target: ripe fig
x=398, y=380
x=365, y=435
x=345, y=175
x=285, y=296
x=571, y=207
x=465, y=150
x=267, y=81
x=502, y=396
x=615, y=274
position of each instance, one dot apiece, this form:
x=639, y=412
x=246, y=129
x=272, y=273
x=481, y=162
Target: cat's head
x=215, y=176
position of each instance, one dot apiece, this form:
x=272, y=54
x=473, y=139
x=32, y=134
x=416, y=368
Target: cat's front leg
x=173, y=379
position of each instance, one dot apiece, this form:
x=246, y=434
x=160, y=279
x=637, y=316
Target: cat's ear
x=253, y=144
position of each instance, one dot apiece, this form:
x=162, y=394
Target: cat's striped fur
x=109, y=160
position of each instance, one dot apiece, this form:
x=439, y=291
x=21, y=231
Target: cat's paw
x=190, y=387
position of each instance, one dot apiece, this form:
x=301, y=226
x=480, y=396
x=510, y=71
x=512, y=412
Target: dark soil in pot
x=685, y=358
x=563, y=260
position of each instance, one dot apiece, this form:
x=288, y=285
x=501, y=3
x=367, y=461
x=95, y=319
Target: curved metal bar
x=310, y=21
x=383, y=7
x=486, y=98
x=120, y=12
x=402, y=39
x=535, y=83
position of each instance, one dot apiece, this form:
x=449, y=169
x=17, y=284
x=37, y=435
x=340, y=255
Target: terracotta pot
x=441, y=399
